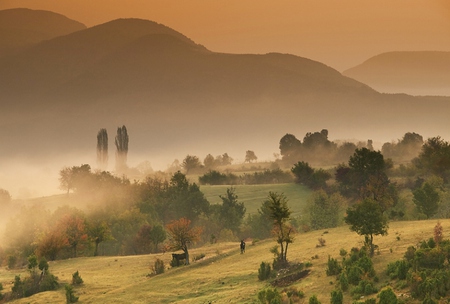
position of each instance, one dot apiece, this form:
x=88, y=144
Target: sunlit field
x=253, y=195
x=223, y=275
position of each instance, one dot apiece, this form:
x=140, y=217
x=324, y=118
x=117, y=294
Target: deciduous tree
x=366, y=218
x=250, y=156
x=181, y=234
x=279, y=214
x=426, y=199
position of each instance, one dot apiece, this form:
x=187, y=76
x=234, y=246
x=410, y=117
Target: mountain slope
x=176, y=98
x=417, y=73
x=20, y=28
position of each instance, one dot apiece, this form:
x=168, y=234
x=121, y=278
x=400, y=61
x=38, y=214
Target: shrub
x=1, y=288
x=70, y=296
x=49, y=282
x=270, y=296
x=76, y=278
x=337, y=297
x=264, y=271
x=322, y=242
x=387, y=296
x=314, y=300
x=354, y=274
x=333, y=267
x=158, y=267
x=343, y=281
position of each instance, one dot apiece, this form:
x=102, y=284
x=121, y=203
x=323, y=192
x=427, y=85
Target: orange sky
x=339, y=33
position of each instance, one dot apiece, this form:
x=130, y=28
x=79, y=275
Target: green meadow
x=253, y=195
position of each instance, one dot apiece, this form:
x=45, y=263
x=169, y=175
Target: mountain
x=416, y=73
x=176, y=97
x=21, y=28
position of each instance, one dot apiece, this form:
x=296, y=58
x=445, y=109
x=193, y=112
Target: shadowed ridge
x=416, y=73
x=21, y=27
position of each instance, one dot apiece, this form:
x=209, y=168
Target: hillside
x=415, y=73
x=224, y=275
x=176, y=97
x=21, y=28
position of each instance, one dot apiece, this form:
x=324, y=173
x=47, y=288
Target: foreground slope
x=21, y=28
x=224, y=275
x=416, y=73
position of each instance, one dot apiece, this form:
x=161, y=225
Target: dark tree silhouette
x=122, y=148
x=102, y=149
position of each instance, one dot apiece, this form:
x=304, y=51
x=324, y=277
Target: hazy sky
x=338, y=33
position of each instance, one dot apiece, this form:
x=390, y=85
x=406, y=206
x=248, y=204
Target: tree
x=365, y=177
x=250, y=156
x=190, y=163
x=289, y=147
x=121, y=142
x=209, y=161
x=5, y=197
x=324, y=210
x=184, y=199
x=231, y=212
x=426, y=199
x=102, y=149
x=279, y=214
x=75, y=178
x=98, y=232
x=434, y=157
x=366, y=218
x=226, y=159
x=181, y=234
x=74, y=228
x=304, y=174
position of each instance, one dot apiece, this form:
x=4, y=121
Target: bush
x=333, y=267
x=387, y=296
x=70, y=297
x=158, y=267
x=264, y=271
x=337, y=297
x=354, y=274
x=270, y=296
x=314, y=300
x=1, y=288
x=49, y=282
x=343, y=281
x=76, y=279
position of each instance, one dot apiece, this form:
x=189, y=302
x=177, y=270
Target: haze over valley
x=62, y=81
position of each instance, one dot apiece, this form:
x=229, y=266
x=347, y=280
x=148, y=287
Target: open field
x=224, y=275
x=253, y=195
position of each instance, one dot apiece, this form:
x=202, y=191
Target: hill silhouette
x=21, y=28
x=416, y=73
x=176, y=97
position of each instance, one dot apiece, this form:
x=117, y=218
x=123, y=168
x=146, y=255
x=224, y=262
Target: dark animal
x=242, y=246
x=177, y=257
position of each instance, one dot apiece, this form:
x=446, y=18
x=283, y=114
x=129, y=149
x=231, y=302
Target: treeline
x=275, y=176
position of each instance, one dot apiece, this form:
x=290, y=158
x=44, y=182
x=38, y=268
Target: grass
x=223, y=275
x=253, y=195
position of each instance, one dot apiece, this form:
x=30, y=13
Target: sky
x=340, y=33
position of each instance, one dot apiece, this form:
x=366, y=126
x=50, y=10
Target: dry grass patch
x=223, y=275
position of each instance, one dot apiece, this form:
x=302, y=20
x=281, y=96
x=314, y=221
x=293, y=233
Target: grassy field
x=253, y=195
x=223, y=275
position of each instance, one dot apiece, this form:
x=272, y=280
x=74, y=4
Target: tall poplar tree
x=102, y=149
x=122, y=149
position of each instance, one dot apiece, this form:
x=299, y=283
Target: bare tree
x=122, y=149
x=102, y=149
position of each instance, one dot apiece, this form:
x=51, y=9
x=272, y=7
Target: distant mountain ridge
x=416, y=73
x=23, y=27
x=177, y=97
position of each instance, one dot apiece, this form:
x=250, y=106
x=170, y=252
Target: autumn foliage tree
x=181, y=234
